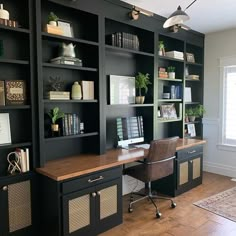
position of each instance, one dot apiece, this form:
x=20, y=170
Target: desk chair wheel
x=173, y=205
x=158, y=214
x=130, y=210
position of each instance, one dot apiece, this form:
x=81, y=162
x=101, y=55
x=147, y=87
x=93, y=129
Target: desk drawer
x=189, y=152
x=91, y=180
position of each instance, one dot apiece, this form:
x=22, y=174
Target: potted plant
x=141, y=82
x=189, y=115
x=161, y=47
x=199, y=111
x=52, y=19
x=55, y=114
x=171, y=72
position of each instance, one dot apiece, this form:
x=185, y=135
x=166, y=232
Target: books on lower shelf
x=175, y=54
x=87, y=90
x=70, y=124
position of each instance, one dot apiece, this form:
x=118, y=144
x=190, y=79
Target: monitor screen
x=129, y=130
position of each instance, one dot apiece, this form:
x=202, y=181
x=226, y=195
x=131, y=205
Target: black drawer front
x=189, y=152
x=91, y=180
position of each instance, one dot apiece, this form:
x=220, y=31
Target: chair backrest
x=161, y=150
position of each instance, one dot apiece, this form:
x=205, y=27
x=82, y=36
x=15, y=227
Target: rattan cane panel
x=196, y=168
x=108, y=201
x=79, y=213
x=183, y=175
x=19, y=200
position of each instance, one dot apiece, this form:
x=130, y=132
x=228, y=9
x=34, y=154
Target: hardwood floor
x=185, y=220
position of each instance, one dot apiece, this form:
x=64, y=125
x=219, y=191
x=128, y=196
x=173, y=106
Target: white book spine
x=27, y=159
x=23, y=160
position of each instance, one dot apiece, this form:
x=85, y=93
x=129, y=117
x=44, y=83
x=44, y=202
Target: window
x=228, y=105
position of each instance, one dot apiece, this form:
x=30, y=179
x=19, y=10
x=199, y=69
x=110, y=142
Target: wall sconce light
x=134, y=14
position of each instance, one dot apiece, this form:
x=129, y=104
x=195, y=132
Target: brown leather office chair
x=158, y=164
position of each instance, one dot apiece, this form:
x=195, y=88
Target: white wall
x=217, y=45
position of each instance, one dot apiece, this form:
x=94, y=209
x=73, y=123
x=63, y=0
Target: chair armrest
x=164, y=160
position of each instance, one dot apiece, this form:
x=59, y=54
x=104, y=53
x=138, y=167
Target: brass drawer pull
x=191, y=152
x=94, y=180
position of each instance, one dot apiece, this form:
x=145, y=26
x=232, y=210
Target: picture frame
x=191, y=130
x=66, y=27
x=190, y=57
x=5, y=130
x=168, y=111
x=15, y=92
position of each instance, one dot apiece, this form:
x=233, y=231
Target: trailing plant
x=141, y=82
x=52, y=17
x=55, y=114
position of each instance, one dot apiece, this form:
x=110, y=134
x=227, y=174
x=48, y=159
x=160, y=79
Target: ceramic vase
x=76, y=92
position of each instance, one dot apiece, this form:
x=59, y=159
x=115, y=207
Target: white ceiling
x=206, y=16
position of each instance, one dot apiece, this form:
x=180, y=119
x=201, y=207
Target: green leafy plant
x=171, y=69
x=199, y=110
x=52, y=17
x=161, y=45
x=189, y=111
x=55, y=114
x=141, y=82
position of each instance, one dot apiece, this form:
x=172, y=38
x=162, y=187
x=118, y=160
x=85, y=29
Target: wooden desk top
x=75, y=166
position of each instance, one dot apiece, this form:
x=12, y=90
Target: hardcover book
x=88, y=90
x=15, y=92
x=2, y=93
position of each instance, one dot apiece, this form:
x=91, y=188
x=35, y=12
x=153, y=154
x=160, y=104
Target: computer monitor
x=129, y=130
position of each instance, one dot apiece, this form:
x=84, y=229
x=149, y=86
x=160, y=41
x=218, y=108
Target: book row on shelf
x=123, y=40
x=12, y=92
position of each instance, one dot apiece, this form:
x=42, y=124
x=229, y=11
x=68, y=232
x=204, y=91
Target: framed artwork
x=190, y=57
x=122, y=89
x=5, y=131
x=191, y=130
x=66, y=27
x=168, y=111
x=15, y=92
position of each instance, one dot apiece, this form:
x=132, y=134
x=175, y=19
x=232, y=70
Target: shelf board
x=64, y=38
x=192, y=122
x=129, y=51
x=15, y=107
x=193, y=80
x=191, y=103
x=169, y=100
x=16, y=29
x=162, y=120
x=71, y=67
x=70, y=101
x=15, y=145
x=131, y=105
x=13, y=61
x=193, y=63
x=71, y=136
x=167, y=79
x=170, y=58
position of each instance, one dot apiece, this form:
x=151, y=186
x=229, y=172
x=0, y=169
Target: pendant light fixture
x=177, y=17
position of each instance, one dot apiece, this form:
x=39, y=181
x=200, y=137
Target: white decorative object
x=171, y=75
x=76, y=91
x=4, y=14
x=5, y=131
x=68, y=50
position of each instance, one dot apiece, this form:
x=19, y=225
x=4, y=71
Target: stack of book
x=52, y=29
x=10, y=23
x=67, y=61
x=23, y=156
x=58, y=95
x=123, y=40
x=162, y=73
x=175, y=54
x=70, y=124
x=87, y=90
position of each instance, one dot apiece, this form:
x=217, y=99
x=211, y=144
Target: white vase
x=52, y=22
x=4, y=14
x=76, y=92
x=171, y=75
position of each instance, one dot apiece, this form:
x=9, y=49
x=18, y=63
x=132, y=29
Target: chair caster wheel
x=173, y=205
x=158, y=215
x=130, y=210
x=132, y=199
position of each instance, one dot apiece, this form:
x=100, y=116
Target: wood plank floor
x=185, y=220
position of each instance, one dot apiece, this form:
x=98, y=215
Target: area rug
x=223, y=204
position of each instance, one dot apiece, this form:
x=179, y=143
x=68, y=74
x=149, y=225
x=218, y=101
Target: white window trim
x=224, y=61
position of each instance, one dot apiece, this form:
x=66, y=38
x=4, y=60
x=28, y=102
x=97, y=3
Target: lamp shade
x=177, y=17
